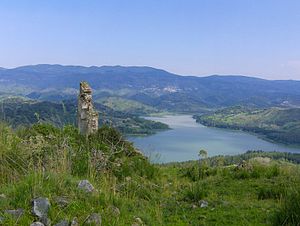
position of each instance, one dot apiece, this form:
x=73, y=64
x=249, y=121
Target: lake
x=187, y=137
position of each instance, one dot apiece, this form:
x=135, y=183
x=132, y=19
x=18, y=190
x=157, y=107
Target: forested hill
x=149, y=86
x=18, y=112
x=277, y=124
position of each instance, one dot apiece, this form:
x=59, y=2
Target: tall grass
x=289, y=211
x=46, y=149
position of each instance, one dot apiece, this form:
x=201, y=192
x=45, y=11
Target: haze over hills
x=149, y=86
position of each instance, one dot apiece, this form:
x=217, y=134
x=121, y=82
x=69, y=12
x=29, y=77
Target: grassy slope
x=280, y=125
x=49, y=162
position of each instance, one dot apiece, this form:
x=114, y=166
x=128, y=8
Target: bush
x=195, y=192
x=275, y=192
x=197, y=172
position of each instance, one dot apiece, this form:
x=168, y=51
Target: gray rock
x=75, y=222
x=62, y=223
x=40, y=208
x=86, y=186
x=94, y=219
x=203, y=204
x=37, y=224
x=61, y=201
x=15, y=213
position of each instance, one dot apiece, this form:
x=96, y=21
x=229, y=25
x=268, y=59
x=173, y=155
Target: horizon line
x=146, y=66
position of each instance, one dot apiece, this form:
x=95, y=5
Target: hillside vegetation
x=126, y=189
x=22, y=112
x=128, y=106
x=277, y=124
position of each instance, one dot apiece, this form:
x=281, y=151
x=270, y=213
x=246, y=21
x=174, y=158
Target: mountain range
x=149, y=87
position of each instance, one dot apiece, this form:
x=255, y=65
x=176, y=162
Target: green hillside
x=277, y=124
x=128, y=106
x=24, y=112
x=104, y=180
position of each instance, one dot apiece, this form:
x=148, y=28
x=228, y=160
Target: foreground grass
x=46, y=162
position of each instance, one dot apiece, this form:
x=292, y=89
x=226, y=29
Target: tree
x=203, y=166
x=202, y=154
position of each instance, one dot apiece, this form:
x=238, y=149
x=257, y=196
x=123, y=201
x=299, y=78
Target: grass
x=43, y=161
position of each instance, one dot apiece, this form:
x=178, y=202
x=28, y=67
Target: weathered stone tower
x=87, y=116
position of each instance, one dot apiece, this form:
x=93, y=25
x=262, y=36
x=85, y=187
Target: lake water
x=187, y=137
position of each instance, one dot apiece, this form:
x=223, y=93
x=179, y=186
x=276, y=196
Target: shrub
x=275, y=192
x=197, y=172
x=195, y=192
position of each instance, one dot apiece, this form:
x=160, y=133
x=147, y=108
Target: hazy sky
x=193, y=37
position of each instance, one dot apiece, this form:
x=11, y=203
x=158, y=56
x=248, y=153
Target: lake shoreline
x=258, y=135
x=185, y=138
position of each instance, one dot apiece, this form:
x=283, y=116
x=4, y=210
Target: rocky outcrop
x=87, y=116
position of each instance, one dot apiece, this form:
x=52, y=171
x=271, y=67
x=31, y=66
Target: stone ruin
x=87, y=116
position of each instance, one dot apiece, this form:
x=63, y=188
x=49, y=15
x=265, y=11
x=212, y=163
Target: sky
x=259, y=38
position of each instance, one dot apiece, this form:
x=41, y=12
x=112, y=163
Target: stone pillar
x=87, y=116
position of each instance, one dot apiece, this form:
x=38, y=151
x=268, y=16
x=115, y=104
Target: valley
x=150, y=162
x=124, y=95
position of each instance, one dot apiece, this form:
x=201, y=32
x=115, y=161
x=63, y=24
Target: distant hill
x=149, y=86
x=22, y=112
x=277, y=124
